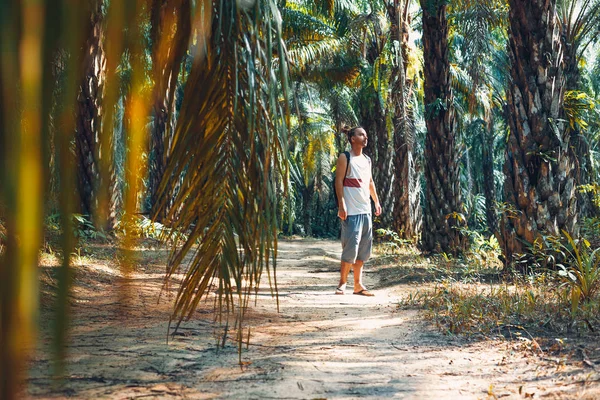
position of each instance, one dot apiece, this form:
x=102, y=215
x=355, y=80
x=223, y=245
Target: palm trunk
x=96, y=175
x=585, y=204
x=341, y=141
x=443, y=205
x=383, y=173
x=585, y=200
x=406, y=208
x=489, y=188
x=468, y=176
x=379, y=149
x=90, y=111
x=168, y=51
x=307, y=200
x=539, y=165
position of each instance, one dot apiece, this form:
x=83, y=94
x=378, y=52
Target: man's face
x=360, y=137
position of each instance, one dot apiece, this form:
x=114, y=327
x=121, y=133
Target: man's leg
x=357, y=267
x=363, y=254
x=344, y=271
x=350, y=239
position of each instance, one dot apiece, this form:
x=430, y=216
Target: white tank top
x=356, y=185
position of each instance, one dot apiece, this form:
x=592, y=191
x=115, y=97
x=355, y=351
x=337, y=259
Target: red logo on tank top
x=352, y=182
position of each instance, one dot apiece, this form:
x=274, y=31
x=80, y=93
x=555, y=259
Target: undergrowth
x=541, y=305
x=137, y=226
x=560, y=294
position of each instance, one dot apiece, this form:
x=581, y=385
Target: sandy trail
x=318, y=346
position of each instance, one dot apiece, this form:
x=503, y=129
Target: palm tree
x=579, y=21
x=97, y=181
x=89, y=114
x=337, y=45
x=540, y=164
x=479, y=35
x=407, y=215
x=340, y=98
x=324, y=64
x=443, y=204
x=169, y=34
x=312, y=150
x=374, y=113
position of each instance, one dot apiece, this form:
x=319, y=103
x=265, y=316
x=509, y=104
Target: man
x=354, y=210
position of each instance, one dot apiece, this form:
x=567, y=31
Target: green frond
x=576, y=105
x=325, y=8
x=310, y=53
x=300, y=27
x=471, y=15
x=461, y=81
x=334, y=69
x=414, y=64
x=340, y=104
x=297, y=174
x=595, y=75
x=228, y=146
x=321, y=143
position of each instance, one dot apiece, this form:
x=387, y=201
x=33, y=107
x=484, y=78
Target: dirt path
x=319, y=346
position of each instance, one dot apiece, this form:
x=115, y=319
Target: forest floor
x=319, y=345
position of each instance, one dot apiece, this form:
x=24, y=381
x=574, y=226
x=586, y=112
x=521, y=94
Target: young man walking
x=354, y=185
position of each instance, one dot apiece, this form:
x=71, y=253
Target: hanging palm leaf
x=228, y=146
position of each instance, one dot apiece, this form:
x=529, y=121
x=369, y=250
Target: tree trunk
x=585, y=200
x=168, y=51
x=585, y=204
x=489, y=188
x=96, y=174
x=339, y=119
x=307, y=200
x=379, y=149
x=89, y=114
x=469, y=188
x=572, y=73
x=407, y=205
x=443, y=205
x=539, y=164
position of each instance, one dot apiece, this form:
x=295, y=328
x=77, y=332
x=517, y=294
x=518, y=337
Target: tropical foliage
x=217, y=123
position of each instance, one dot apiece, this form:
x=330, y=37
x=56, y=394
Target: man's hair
x=350, y=131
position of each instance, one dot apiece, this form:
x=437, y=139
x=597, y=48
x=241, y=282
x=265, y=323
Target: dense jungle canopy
x=219, y=123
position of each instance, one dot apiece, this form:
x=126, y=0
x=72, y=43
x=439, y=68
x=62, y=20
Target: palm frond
x=310, y=53
x=580, y=20
x=577, y=105
x=477, y=24
x=340, y=103
x=326, y=8
x=228, y=146
x=320, y=142
x=595, y=75
x=461, y=81
x=300, y=27
x=340, y=68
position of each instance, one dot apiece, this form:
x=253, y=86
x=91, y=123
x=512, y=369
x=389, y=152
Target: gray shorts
x=357, y=238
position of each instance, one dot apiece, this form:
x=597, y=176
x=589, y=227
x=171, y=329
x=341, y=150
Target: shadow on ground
x=318, y=345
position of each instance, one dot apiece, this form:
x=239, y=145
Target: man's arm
x=375, y=198
x=340, y=171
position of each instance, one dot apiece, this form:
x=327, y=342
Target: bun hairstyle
x=349, y=132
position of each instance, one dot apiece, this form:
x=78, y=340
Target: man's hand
x=342, y=212
x=373, y=193
x=377, y=209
